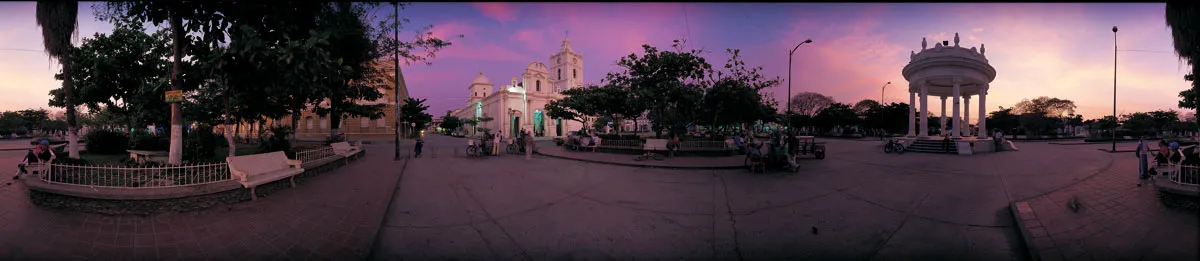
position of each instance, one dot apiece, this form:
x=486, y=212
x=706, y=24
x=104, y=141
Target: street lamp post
x=881, y=90
x=789, y=97
x=1114, y=131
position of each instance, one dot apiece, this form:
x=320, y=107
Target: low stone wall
x=154, y=200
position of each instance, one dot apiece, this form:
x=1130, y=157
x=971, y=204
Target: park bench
x=258, y=169
x=147, y=155
x=655, y=145
x=345, y=149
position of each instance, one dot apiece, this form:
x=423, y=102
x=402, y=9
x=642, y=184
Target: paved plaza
x=858, y=203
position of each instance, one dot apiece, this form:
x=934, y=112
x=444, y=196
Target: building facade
x=520, y=105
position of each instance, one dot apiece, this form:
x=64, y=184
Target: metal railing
x=1187, y=175
x=315, y=154
x=702, y=144
x=137, y=177
x=620, y=143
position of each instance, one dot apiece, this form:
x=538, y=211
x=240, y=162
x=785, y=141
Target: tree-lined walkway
x=332, y=216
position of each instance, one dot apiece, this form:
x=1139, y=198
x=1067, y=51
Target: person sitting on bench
x=39, y=153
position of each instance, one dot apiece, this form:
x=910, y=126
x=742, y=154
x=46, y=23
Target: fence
x=620, y=143
x=315, y=154
x=702, y=144
x=1188, y=175
x=127, y=177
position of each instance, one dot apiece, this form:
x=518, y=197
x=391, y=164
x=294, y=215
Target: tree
x=1163, y=119
x=1003, y=119
x=1046, y=106
x=810, y=103
x=735, y=97
x=892, y=118
x=357, y=77
x=33, y=119
x=450, y=123
x=865, y=105
x=58, y=20
x=563, y=109
x=667, y=82
x=121, y=73
x=1138, y=123
x=1183, y=18
x=836, y=115
x=413, y=111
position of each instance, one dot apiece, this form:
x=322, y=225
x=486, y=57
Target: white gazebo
x=948, y=72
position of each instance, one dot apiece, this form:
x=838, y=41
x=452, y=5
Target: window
x=539, y=85
x=365, y=122
x=309, y=120
x=324, y=123
x=560, y=74
x=574, y=74
x=381, y=123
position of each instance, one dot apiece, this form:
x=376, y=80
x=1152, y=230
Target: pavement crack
x=732, y=219
x=898, y=228
x=466, y=210
x=494, y=222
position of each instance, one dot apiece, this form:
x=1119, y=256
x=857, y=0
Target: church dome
x=480, y=79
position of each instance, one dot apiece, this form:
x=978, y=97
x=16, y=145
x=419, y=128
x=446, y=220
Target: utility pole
x=1114, y=131
x=396, y=82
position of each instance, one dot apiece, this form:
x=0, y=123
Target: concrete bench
x=147, y=155
x=655, y=145
x=345, y=149
x=258, y=169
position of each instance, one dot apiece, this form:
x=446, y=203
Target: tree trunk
x=295, y=121
x=175, y=155
x=228, y=129
x=68, y=91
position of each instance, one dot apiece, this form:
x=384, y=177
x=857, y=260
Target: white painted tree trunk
x=72, y=142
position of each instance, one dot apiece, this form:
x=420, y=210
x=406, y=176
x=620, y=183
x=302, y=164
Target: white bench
x=258, y=169
x=344, y=149
x=144, y=155
x=655, y=145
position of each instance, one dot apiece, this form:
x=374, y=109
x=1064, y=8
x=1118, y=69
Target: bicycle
x=649, y=155
x=515, y=148
x=475, y=150
x=893, y=146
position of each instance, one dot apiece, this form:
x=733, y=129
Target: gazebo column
x=957, y=122
x=983, y=131
x=912, y=113
x=924, y=109
x=966, y=115
x=943, y=115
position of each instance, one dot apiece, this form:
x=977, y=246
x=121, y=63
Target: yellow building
x=314, y=127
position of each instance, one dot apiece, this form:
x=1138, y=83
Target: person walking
x=946, y=142
x=496, y=143
x=528, y=146
x=1142, y=153
x=793, y=148
x=417, y=147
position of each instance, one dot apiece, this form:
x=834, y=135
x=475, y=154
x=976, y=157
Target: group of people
x=1168, y=153
x=747, y=144
x=526, y=139
x=40, y=153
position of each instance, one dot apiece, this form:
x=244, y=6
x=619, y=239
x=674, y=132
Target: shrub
x=199, y=144
x=335, y=138
x=147, y=141
x=107, y=142
x=277, y=141
x=70, y=161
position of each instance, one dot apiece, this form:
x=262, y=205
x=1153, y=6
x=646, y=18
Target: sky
x=1056, y=50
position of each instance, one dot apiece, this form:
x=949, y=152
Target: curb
x=635, y=165
x=1030, y=247
x=392, y=197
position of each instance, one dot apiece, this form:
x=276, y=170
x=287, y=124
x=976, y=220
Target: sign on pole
x=174, y=96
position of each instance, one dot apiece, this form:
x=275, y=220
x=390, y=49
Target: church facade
x=520, y=105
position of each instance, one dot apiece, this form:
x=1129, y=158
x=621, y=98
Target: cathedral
x=520, y=105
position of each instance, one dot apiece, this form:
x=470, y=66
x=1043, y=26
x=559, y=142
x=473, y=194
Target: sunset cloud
x=502, y=12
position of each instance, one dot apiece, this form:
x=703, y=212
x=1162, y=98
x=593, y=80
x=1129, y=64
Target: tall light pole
x=881, y=90
x=789, y=97
x=396, y=82
x=1114, y=131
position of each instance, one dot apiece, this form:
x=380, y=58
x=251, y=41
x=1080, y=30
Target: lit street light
x=789, y=97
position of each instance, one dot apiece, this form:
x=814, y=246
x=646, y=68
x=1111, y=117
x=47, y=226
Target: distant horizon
x=1056, y=50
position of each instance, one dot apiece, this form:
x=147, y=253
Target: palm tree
x=58, y=22
x=1184, y=23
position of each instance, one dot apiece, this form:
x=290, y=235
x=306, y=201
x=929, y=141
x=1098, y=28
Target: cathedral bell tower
x=566, y=70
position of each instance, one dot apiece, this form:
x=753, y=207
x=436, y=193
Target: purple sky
x=1058, y=50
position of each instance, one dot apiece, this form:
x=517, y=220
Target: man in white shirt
x=1142, y=152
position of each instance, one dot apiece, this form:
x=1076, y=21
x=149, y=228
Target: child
x=417, y=148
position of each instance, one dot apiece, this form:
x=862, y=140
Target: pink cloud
x=503, y=12
x=484, y=52
x=531, y=39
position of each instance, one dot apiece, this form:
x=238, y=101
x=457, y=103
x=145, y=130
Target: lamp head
x=1114, y=29
x=810, y=40
x=889, y=82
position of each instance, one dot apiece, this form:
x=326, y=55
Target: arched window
x=309, y=119
x=560, y=74
x=539, y=85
